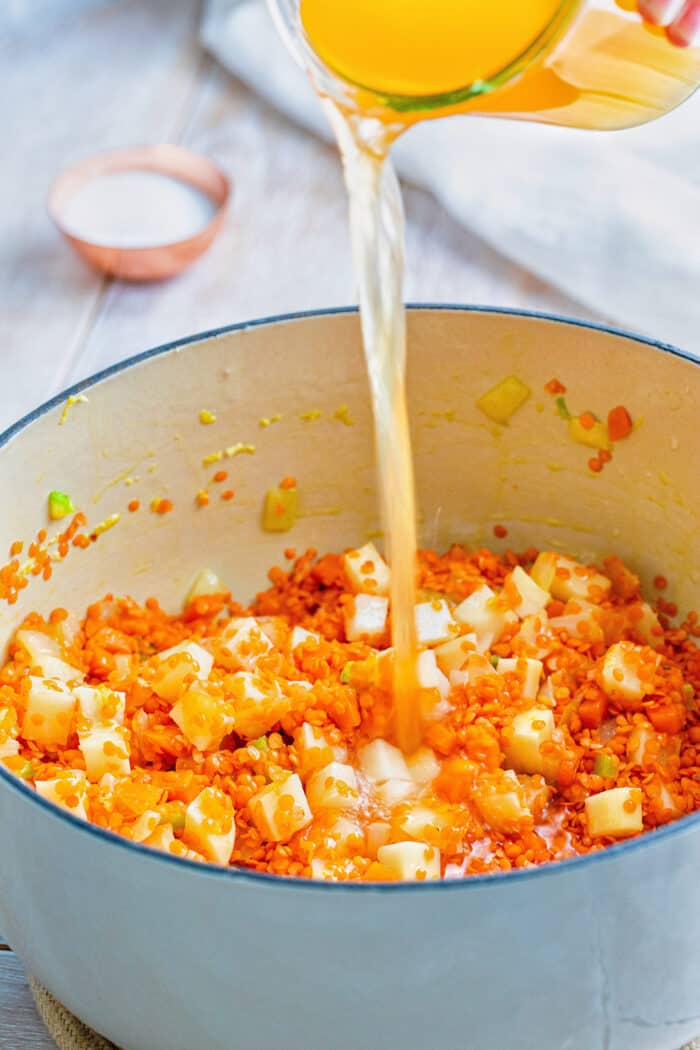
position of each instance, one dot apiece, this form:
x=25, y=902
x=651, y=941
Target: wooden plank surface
x=21, y=1027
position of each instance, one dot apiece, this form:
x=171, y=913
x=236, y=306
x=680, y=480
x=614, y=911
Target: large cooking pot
x=597, y=953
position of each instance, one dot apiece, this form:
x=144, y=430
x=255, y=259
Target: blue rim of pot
x=648, y=840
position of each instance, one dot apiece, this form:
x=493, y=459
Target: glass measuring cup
x=579, y=63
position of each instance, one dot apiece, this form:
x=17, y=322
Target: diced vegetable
x=346, y=833
x=258, y=703
x=105, y=749
x=280, y=509
x=484, y=614
x=529, y=672
x=145, y=826
x=48, y=719
x=453, y=655
x=300, y=636
x=393, y=791
x=583, y=623
x=366, y=618
x=615, y=813
x=619, y=423
x=594, y=435
x=100, y=704
x=572, y=580
x=205, y=582
x=503, y=400
x=281, y=809
x=68, y=789
x=434, y=622
x=501, y=802
x=247, y=643
x=178, y=666
x=623, y=667
x=524, y=738
x=333, y=787
x=644, y=625
x=421, y=822
x=210, y=827
x=60, y=505
x=605, y=766
x=367, y=571
x=46, y=654
x=204, y=718
x=429, y=674
x=524, y=596
x=411, y=860
x=381, y=761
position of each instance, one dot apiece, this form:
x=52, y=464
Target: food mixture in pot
x=559, y=716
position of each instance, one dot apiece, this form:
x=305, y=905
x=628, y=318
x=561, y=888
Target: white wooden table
x=93, y=75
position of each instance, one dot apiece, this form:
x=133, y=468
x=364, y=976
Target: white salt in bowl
x=141, y=214
x=155, y=952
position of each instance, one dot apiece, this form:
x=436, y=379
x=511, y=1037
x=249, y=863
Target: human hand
x=682, y=21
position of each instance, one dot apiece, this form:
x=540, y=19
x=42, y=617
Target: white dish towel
x=612, y=219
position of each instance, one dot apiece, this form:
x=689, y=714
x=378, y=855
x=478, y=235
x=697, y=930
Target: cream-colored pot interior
x=142, y=425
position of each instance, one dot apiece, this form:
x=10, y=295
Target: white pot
x=599, y=953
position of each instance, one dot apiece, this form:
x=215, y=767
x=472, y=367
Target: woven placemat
x=68, y=1033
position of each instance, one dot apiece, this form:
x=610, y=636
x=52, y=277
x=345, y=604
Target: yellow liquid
x=422, y=47
x=588, y=65
x=409, y=60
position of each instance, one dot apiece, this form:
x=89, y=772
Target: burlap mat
x=68, y=1033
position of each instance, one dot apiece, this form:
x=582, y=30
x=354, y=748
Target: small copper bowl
x=144, y=263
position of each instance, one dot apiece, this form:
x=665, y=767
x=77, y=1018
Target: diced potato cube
x=523, y=594
x=203, y=718
x=434, y=622
x=210, y=826
x=643, y=746
x=429, y=674
x=392, y=792
x=594, y=436
x=367, y=571
x=452, y=655
x=421, y=822
x=501, y=802
x=346, y=834
x=485, y=616
x=100, y=704
x=68, y=790
x=366, y=617
x=616, y=813
x=333, y=787
x=258, y=703
x=247, y=643
x=423, y=765
x=381, y=761
x=9, y=730
x=378, y=834
x=313, y=749
x=620, y=675
x=178, y=666
x=205, y=582
x=300, y=636
x=411, y=860
x=144, y=826
x=581, y=624
x=280, y=509
x=48, y=718
x=524, y=737
x=281, y=809
x=105, y=749
x=323, y=870
x=534, y=637
x=529, y=672
x=504, y=399
x=573, y=581
x=544, y=570
x=644, y=624
x=161, y=838
x=477, y=667
x=46, y=654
